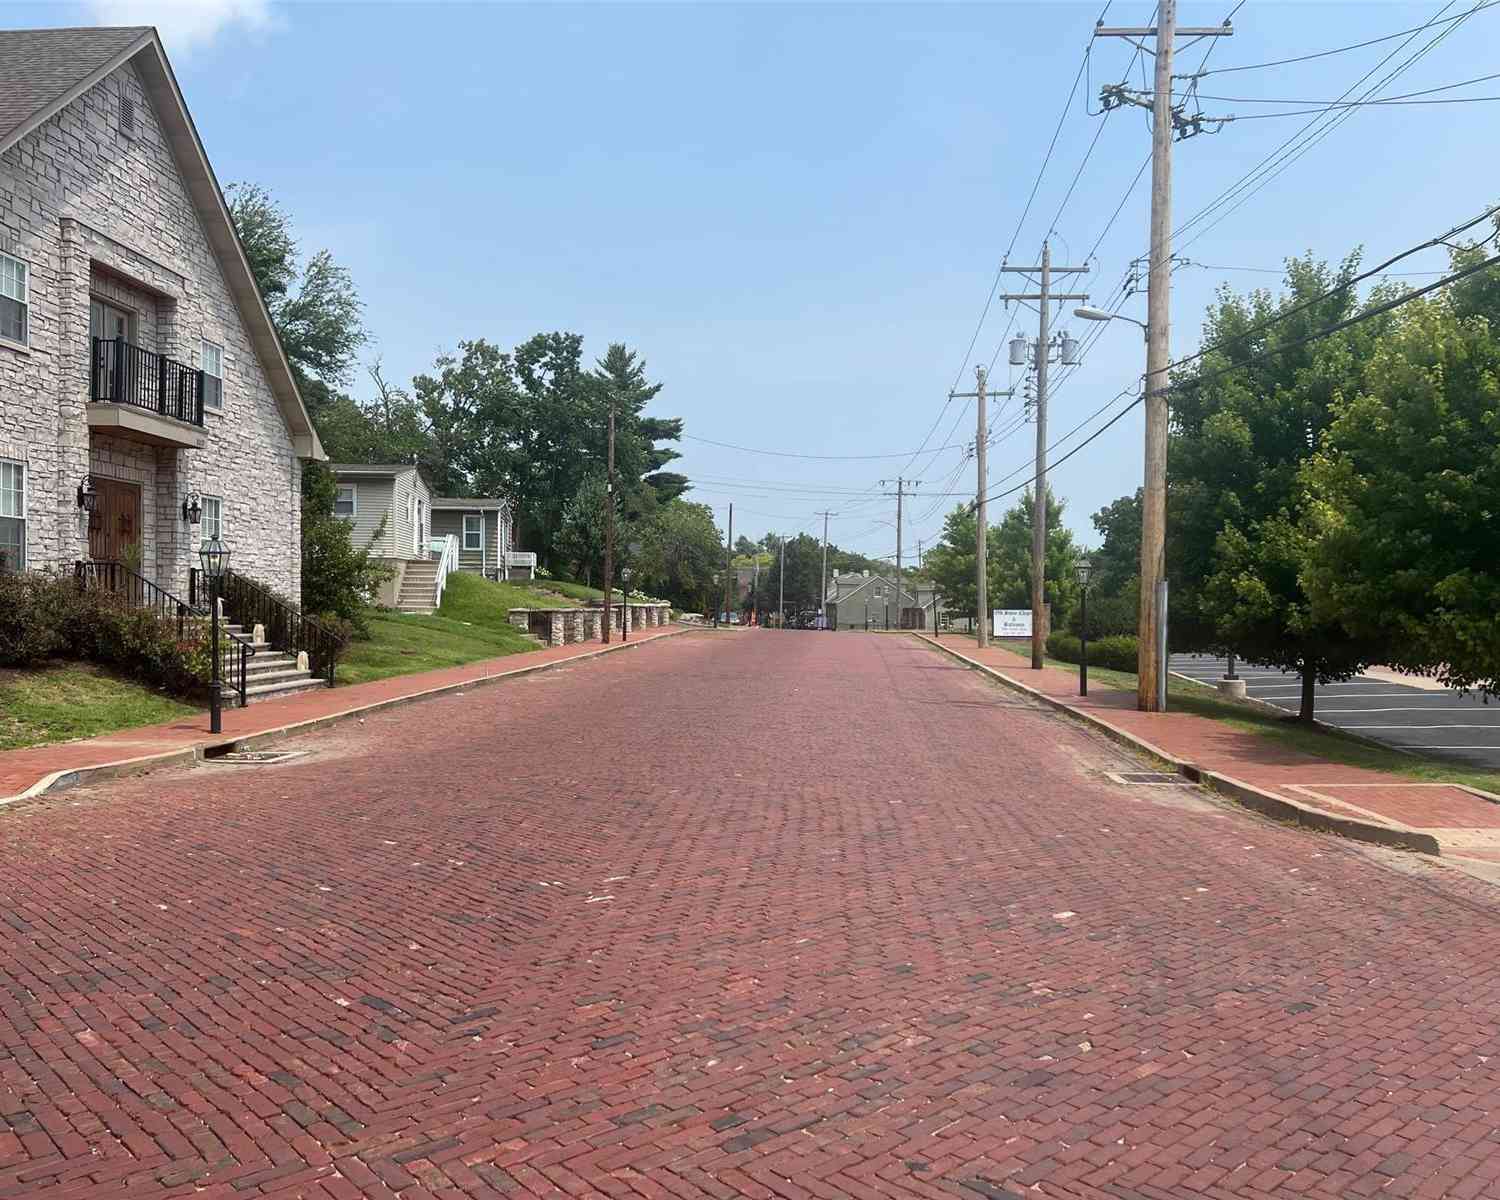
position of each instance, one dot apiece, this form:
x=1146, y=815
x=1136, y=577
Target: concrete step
x=286, y=687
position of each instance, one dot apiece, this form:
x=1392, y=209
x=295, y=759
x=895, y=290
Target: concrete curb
x=58, y=781
x=1242, y=793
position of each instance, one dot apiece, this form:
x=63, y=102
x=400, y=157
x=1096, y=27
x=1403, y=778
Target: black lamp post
x=1084, y=568
x=214, y=555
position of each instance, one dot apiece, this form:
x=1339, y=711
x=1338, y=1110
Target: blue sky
x=795, y=212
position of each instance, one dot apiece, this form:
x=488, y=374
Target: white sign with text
x=1012, y=622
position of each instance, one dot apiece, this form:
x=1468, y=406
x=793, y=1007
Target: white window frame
x=353, y=489
x=223, y=525
x=21, y=514
x=21, y=271
x=478, y=532
x=204, y=346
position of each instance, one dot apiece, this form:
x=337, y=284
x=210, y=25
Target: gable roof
x=42, y=71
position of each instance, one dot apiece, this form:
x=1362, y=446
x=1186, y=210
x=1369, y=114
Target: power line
x=818, y=457
x=1389, y=37
x=1316, y=335
x=1305, y=139
x=1446, y=87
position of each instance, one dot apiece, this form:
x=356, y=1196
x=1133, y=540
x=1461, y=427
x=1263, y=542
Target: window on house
x=211, y=359
x=345, y=502
x=473, y=532
x=15, y=304
x=213, y=518
x=12, y=516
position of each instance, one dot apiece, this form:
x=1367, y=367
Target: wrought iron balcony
x=124, y=374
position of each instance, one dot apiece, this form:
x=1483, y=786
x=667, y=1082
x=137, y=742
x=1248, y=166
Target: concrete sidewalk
x=1437, y=818
x=39, y=769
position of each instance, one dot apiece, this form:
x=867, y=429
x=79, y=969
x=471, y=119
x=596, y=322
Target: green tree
x=1115, y=586
x=1405, y=487
x=682, y=549
x=313, y=304
x=338, y=577
x=1246, y=418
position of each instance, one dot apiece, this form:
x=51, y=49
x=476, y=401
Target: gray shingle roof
x=467, y=502
x=38, y=66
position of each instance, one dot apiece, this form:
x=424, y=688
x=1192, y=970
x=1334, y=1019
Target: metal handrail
x=286, y=627
x=115, y=578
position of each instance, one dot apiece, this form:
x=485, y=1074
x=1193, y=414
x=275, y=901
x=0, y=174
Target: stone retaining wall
x=564, y=626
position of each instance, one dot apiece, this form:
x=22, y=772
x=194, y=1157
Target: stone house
x=141, y=380
x=860, y=600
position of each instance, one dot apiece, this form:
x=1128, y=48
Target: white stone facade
x=95, y=213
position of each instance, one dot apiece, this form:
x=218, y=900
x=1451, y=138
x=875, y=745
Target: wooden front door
x=115, y=524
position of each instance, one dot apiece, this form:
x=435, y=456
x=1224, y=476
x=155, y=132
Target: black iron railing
x=134, y=590
x=286, y=627
x=125, y=374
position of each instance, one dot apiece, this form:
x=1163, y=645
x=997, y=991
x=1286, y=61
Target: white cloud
x=185, y=25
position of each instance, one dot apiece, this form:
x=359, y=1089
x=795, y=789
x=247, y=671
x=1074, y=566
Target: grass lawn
x=470, y=625
x=76, y=700
x=1186, y=696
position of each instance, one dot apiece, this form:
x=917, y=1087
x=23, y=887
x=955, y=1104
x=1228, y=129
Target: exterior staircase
x=270, y=674
x=418, y=592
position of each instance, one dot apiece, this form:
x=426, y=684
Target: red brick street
x=765, y=914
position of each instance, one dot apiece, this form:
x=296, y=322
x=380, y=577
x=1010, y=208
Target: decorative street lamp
x=1085, y=568
x=214, y=555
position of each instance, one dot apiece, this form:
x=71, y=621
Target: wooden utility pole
x=823, y=595
x=1043, y=351
x=901, y=486
x=981, y=501
x=1150, y=654
x=728, y=563
x=609, y=529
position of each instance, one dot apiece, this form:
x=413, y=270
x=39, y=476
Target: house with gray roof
x=147, y=403
x=860, y=600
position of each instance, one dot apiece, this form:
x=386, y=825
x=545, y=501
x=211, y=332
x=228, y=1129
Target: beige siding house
x=141, y=380
x=388, y=506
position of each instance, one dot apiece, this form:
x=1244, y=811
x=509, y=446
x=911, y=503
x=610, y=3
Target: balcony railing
x=124, y=374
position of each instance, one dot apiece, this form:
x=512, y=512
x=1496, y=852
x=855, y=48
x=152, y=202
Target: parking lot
x=1424, y=719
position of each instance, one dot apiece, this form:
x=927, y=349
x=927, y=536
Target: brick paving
x=20, y=769
x=779, y=915
x=1251, y=758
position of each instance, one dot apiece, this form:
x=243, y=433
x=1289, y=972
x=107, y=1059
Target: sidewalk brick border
x=68, y=777
x=1245, y=794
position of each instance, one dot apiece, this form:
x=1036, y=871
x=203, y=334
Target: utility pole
x=1150, y=661
x=1043, y=351
x=609, y=529
x=981, y=501
x=728, y=563
x=901, y=486
x=823, y=595
x=781, y=589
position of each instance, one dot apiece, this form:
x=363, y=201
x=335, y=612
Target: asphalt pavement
x=1426, y=720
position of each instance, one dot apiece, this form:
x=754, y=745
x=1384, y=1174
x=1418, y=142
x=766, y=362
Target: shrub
x=46, y=616
x=31, y=611
x=339, y=578
x=1118, y=651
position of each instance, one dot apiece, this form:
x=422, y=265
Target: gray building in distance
x=860, y=600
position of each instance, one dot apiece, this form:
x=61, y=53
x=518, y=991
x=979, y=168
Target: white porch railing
x=519, y=558
x=445, y=550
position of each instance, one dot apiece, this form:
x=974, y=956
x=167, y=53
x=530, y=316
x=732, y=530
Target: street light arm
x=1098, y=314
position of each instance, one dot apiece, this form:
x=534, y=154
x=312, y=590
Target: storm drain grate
x=255, y=758
x=1147, y=777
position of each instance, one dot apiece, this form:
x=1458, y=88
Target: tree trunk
x=1309, y=682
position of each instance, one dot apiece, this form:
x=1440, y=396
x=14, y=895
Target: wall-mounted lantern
x=192, y=508
x=87, y=497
